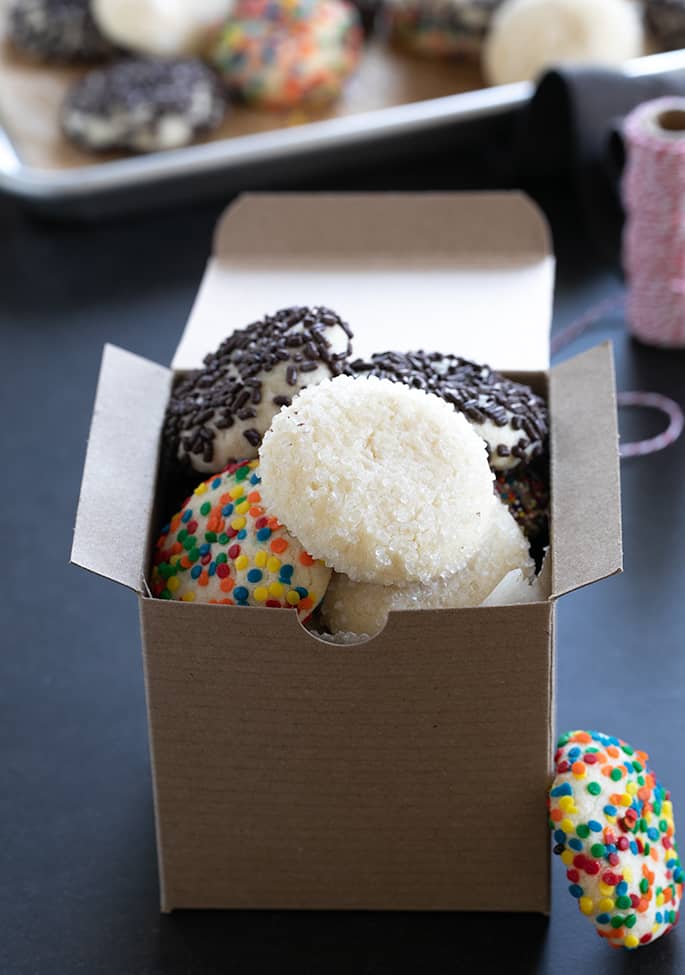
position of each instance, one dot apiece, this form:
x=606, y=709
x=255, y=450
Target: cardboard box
x=289, y=773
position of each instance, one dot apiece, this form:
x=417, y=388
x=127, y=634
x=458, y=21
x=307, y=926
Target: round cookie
x=525, y=490
x=529, y=36
x=509, y=416
x=223, y=546
x=666, y=22
x=222, y=412
x=143, y=105
x=280, y=54
x=613, y=828
x=440, y=27
x=363, y=607
x=384, y=483
x=56, y=30
x=162, y=28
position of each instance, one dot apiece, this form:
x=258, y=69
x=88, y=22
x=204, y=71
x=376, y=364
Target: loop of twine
x=634, y=399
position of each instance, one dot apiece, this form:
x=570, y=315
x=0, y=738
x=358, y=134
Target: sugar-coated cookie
x=143, y=105
x=384, y=483
x=56, y=30
x=509, y=416
x=277, y=54
x=363, y=607
x=528, y=36
x=165, y=28
x=224, y=546
x=440, y=27
x=614, y=832
x=222, y=412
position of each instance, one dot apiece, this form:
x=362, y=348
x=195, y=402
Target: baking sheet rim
x=34, y=183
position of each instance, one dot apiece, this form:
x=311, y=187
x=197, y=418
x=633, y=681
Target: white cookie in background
x=528, y=36
x=162, y=28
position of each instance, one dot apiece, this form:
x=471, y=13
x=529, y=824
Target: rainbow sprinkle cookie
x=285, y=53
x=525, y=491
x=224, y=547
x=613, y=827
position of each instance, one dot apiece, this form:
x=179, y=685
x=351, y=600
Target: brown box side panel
x=406, y=773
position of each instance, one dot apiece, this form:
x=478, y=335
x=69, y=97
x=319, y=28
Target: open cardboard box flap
x=459, y=272
x=586, y=493
x=118, y=486
x=490, y=278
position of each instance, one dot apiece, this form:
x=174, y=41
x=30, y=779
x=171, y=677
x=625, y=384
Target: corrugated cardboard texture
x=457, y=272
x=117, y=491
x=586, y=492
x=31, y=95
x=406, y=773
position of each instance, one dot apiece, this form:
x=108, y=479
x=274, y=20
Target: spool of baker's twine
x=638, y=398
x=654, y=234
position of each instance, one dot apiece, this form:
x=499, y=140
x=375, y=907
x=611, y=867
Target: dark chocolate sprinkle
x=252, y=436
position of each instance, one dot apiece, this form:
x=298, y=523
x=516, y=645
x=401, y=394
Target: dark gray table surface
x=78, y=885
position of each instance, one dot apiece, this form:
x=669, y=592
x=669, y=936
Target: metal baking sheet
x=86, y=187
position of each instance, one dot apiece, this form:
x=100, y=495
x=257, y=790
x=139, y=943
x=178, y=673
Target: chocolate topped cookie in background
x=221, y=412
x=369, y=11
x=143, y=105
x=666, y=22
x=56, y=30
x=440, y=28
x=509, y=416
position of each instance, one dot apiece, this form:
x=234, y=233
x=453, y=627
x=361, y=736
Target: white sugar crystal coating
x=363, y=607
x=528, y=36
x=162, y=28
x=385, y=483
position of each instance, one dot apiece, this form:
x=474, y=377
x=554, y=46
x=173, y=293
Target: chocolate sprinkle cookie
x=222, y=411
x=143, y=105
x=56, y=30
x=666, y=20
x=509, y=416
x=368, y=13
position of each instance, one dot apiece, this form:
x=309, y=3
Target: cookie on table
x=382, y=482
x=222, y=411
x=281, y=54
x=440, y=28
x=363, y=607
x=224, y=546
x=666, y=21
x=56, y=30
x=613, y=827
x=143, y=105
x=509, y=416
